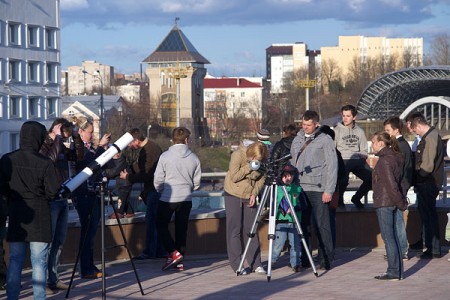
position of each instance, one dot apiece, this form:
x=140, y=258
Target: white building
x=284, y=59
x=232, y=98
x=91, y=77
x=29, y=66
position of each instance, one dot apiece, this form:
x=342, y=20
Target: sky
x=234, y=34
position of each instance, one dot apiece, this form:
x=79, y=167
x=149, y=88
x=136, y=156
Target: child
x=286, y=227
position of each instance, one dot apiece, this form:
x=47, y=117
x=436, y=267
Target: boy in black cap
x=285, y=228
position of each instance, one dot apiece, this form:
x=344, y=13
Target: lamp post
x=102, y=110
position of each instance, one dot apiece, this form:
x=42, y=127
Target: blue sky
x=233, y=34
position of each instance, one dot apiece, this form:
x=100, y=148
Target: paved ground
x=211, y=278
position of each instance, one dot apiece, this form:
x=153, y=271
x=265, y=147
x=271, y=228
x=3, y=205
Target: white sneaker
x=260, y=270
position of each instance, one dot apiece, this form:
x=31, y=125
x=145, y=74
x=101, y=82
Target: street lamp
x=102, y=110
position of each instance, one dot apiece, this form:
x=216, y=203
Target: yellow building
x=176, y=71
x=406, y=52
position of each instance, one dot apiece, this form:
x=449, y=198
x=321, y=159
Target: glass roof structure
x=176, y=48
x=392, y=93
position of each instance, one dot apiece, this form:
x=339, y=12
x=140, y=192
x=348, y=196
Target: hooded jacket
x=177, y=174
x=386, y=180
x=317, y=164
x=241, y=181
x=29, y=181
x=351, y=142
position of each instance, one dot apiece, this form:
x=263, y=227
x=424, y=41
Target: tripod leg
x=125, y=243
x=87, y=224
x=272, y=223
x=252, y=232
x=299, y=230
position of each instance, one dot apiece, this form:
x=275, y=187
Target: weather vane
x=176, y=19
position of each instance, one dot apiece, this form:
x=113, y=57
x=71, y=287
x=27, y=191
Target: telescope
x=71, y=184
x=255, y=165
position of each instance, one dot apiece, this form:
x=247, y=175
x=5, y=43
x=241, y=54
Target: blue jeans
x=88, y=208
x=401, y=232
x=426, y=205
x=59, y=214
x=153, y=245
x=17, y=251
x=321, y=221
x=387, y=222
x=285, y=231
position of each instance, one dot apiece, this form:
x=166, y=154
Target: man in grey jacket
x=314, y=155
x=177, y=174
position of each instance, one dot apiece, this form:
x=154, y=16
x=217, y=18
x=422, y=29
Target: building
x=29, y=67
x=406, y=52
x=282, y=60
x=233, y=100
x=176, y=71
x=89, y=78
x=89, y=107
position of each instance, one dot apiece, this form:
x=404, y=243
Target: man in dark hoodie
x=28, y=180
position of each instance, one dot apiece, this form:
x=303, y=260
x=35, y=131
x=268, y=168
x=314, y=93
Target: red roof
x=224, y=83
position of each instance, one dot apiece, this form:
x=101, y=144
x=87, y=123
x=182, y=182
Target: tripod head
x=270, y=168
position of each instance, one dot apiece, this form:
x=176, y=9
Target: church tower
x=176, y=71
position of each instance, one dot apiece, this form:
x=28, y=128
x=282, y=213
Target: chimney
x=237, y=81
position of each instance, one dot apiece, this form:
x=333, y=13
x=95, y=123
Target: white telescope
x=71, y=184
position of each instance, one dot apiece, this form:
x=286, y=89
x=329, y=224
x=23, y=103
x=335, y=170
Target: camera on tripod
x=271, y=169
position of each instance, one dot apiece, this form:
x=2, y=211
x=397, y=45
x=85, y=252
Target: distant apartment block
x=407, y=52
x=89, y=78
x=29, y=67
x=235, y=98
x=284, y=59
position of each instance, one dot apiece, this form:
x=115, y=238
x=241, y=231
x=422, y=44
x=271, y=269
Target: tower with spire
x=176, y=71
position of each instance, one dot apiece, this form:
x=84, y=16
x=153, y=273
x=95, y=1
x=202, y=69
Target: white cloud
x=74, y=4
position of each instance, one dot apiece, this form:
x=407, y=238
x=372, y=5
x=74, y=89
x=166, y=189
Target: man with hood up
x=28, y=180
x=177, y=174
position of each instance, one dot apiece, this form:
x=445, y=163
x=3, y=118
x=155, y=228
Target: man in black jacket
x=429, y=175
x=28, y=180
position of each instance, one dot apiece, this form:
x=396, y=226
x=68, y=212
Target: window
x=33, y=107
x=1, y=107
x=232, y=95
x=242, y=94
x=51, y=107
x=33, y=36
x=33, y=72
x=14, y=70
x=163, y=78
x=15, y=107
x=14, y=141
x=51, y=73
x=14, y=34
x=50, y=38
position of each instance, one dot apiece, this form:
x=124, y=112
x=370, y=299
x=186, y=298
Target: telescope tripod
x=271, y=190
x=102, y=186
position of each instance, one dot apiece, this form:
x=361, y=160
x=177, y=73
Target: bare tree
x=330, y=75
x=440, y=49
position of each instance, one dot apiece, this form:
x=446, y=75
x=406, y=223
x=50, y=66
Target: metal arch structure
x=394, y=92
